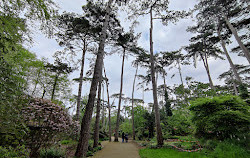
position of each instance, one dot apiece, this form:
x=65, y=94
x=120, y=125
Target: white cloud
x=166, y=38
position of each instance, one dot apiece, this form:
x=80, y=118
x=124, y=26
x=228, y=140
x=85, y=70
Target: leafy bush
x=229, y=150
x=220, y=117
x=52, y=153
x=163, y=152
x=45, y=120
x=66, y=142
x=89, y=153
x=18, y=152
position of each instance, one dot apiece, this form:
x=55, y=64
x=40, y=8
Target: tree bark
x=97, y=121
x=107, y=87
x=156, y=108
x=179, y=68
x=103, y=111
x=44, y=91
x=244, y=49
x=120, y=99
x=235, y=88
x=228, y=57
x=38, y=76
x=205, y=62
x=80, y=83
x=82, y=146
x=133, y=90
x=54, y=87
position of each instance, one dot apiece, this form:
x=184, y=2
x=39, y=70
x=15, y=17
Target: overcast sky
x=166, y=38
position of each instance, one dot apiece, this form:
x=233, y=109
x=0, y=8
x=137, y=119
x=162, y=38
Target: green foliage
x=14, y=69
x=243, y=91
x=222, y=149
x=89, y=153
x=68, y=142
x=177, y=124
x=144, y=122
x=11, y=32
x=18, y=152
x=162, y=153
x=126, y=127
x=229, y=150
x=52, y=153
x=220, y=117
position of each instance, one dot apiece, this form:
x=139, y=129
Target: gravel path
x=118, y=150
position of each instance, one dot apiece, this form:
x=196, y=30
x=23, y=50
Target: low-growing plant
x=10, y=152
x=89, y=153
x=229, y=150
x=52, y=153
x=68, y=142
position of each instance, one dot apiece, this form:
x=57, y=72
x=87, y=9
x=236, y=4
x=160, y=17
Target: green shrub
x=168, y=153
x=10, y=152
x=229, y=150
x=68, y=142
x=52, y=153
x=89, y=153
x=220, y=117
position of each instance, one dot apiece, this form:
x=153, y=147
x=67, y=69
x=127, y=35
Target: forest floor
x=118, y=150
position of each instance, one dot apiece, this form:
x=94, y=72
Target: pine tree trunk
x=133, y=90
x=204, y=59
x=38, y=76
x=235, y=89
x=44, y=91
x=156, y=108
x=179, y=68
x=244, y=49
x=103, y=111
x=54, y=87
x=164, y=81
x=82, y=146
x=228, y=58
x=107, y=87
x=97, y=121
x=120, y=100
x=80, y=84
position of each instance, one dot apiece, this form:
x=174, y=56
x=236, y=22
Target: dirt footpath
x=118, y=150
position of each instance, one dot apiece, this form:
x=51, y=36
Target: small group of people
x=124, y=136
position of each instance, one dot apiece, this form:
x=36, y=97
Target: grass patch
x=168, y=153
x=229, y=150
x=68, y=142
x=52, y=153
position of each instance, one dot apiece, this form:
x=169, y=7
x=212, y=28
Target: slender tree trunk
x=44, y=91
x=228, y=57
x=143, y=93
x=80, y=84
x=179, y=68
x=38, y=76
x=164, y=81
x=157, y=114
x=235, y=88
x=244, y=49
x=133, y=90
x=107, y=87
x=54, y=87
x=103, y=110
x=120, y=99
x=97, y=121
x=204, y=59
x=82, y=146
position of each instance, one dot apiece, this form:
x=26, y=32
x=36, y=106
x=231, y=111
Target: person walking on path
x=123, y=136
x=126, y=137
